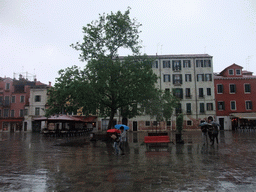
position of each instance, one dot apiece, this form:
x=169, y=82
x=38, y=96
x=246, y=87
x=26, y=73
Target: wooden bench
x=156, y=140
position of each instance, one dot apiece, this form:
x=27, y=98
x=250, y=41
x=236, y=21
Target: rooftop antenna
x=144, y=48
x=248, y=62
x=157, y=47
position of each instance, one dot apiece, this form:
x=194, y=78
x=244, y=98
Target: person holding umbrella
x=122, y=139
x=215, y=132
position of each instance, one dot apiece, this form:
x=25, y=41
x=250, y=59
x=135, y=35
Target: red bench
x=156, y=140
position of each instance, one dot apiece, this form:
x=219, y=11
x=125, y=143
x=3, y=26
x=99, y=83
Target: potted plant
x=179, y=127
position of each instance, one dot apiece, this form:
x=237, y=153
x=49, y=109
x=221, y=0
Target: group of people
x=212, y=129
x=119, y=141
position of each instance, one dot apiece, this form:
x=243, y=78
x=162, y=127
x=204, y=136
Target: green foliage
x=108, y=82
x=179, y=123
x=106, y=35
x=161, y=105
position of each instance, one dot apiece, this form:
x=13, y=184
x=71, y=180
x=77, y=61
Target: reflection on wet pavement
x=31, y=162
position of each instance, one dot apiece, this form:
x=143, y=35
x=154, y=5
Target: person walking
x=204, y=134
x=122, y=139
x=116, y=140
x=215, y=134
x=210, y=128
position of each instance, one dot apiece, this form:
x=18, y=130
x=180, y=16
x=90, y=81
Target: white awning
x=249, y=116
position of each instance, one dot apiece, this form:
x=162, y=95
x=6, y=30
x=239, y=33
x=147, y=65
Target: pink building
x=235, y=91
x=14, y=96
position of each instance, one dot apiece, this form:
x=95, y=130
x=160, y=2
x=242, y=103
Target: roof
x=250, y=116
x=87, y=119
x=176, y=56
x=230, y=67
x=57, y=118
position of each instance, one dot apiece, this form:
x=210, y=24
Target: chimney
x=35, y=79
x=50, y=83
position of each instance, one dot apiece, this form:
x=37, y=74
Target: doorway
x=221, y=121
x=135, y=126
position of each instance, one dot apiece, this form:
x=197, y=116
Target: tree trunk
x=110, y=123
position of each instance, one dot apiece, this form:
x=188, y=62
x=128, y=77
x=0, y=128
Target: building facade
x=36, y=107
x=190, y=78
x=235, y=92
x=14, y=99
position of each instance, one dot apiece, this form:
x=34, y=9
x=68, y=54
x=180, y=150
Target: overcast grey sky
x=35, y=35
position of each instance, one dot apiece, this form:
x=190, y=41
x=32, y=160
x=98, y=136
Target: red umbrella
x=113, y=131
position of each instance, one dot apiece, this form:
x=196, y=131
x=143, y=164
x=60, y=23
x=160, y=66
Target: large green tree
x=108, y=82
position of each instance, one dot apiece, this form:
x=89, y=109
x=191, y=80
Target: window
x=147, y=123
x=232, y=88
x=209, y=91
x=6, y=112
x=189, y=123
x=6, y=100
x=238, y=71
x=248, y=105
x=7, y=86
x=168, y=123
x=167, y=90
x=231, y=71
x=201, y=107
x=220, y=88
x=199, y=63
x=177, y=79
x=178, y=92
x=208, y=77
x=247, y=88
x=178, y=109
x=12, y=113
x=188, y=78
x=233, y=105
x=207, y=63
x=176, y=65
x=167, y=78
x=200, y=77
x=188, y=108
x=38, y=98
x=155, y=64
x=37, y=111
x=186, y=64
x=221, y=105
x=13, y=99
x=1, y=100
x=0, y=113
x=188, y=92
x=167, y=64
x=26, y=112
x=155, y=123
x=22, y=99
x=201, y=92
x=21, y=113
x=209, y=106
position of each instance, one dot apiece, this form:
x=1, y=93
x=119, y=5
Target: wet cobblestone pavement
x=31, y=162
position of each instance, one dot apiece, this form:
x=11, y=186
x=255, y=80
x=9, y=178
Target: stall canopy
x=249, y=116
x=58, y=118
x=67, y=118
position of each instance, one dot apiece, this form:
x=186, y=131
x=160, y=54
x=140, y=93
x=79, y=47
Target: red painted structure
x=235, y=95
x=14, y=96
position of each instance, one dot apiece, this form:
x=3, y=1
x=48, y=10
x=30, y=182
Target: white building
x=189, y=77
x=36, y=107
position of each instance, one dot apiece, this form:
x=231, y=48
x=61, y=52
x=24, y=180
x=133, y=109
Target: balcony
x=188, y=96
x=177, y=82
